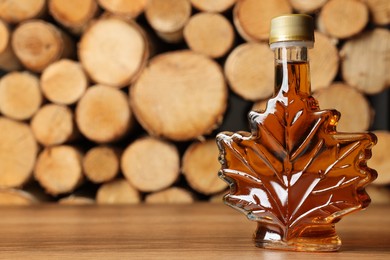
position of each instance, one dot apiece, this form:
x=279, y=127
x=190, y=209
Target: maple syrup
x=294, y=173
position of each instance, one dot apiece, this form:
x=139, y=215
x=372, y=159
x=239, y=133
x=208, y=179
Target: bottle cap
x=292, y=27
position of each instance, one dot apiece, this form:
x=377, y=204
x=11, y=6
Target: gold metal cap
x=292, y=27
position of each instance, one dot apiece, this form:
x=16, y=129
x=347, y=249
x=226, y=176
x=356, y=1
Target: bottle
x=294, y=173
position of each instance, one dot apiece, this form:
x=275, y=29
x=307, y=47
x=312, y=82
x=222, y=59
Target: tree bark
x=150, y=164
x=182, y=91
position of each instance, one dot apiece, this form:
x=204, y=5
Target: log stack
x=118, y=102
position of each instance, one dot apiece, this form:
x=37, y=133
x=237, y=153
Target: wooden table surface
x=199, y=231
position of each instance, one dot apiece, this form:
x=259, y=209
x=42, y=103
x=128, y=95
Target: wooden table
x=199, y=231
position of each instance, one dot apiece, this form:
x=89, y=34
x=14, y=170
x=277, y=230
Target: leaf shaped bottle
x=294, y=173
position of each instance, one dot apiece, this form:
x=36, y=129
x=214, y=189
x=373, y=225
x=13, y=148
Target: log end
x=249, y=70
x=64, y=82
x=150, y=164
x=113, y=51
x=118, y=191
x=210, y=34
x=181, y=95
x=103, y=114
x=101, y=164
x=201, y=166
x=58, y=169
x=20, y=95
x=172, y=195
x=380, y=158
x=18, y=151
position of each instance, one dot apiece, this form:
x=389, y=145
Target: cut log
x=118, y=191
x=200, y=166
x=252, y=18
x=324, y=62
x=215, y=6
x=379, y=195
x=13, y=11
x=18, y=151
x=168, y=18
x=101, y=164
x=103, y=114
x=64, y=82
x=305, y=6
x=249, y=70
x=124, y=8
x=380, y=11
x=210, y=34
x=73, y=14
x=364, y=63
x=170, y=196
x=113, y=51
x=150, y=164
x=38, y=43
x=76, y=200
x=343, y=18
x=218, y=198
x=12, y=197
x=8, y=60
x=181, y=95
x=260, y=106
x=59, y=169
x=20, y=95
x=356, y=113
x=53, y=125
x=380, y=158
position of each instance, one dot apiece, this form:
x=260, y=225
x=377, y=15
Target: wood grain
x=198, y=231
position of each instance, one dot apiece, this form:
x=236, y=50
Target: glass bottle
x=294, y=173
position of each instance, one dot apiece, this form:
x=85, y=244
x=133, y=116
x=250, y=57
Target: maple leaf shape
x=295, y=170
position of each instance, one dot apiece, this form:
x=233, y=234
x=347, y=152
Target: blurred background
x=119, y=102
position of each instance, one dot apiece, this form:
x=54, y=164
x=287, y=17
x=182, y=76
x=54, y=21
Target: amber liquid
x=295, y=174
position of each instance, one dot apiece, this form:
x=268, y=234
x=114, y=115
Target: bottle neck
x=292, y=67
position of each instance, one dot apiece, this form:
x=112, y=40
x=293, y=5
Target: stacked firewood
x=118, y=102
